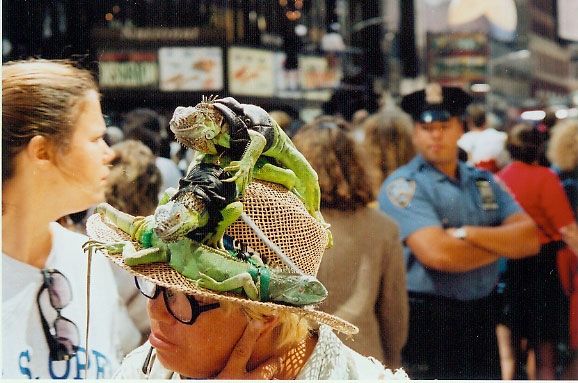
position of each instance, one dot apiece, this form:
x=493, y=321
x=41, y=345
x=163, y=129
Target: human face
x=199, y=350
x=437, y=142
x=82, y=168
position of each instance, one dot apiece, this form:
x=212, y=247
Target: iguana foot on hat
x=245, y=132
x=243, y=280
x=130, y=255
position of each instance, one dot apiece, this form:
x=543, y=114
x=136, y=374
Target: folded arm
x=516, y=237
x=438, y=249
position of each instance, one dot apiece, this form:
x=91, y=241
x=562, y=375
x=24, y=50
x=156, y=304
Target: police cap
x=436, y=103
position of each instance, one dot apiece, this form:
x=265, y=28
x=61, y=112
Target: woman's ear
x=39, y=149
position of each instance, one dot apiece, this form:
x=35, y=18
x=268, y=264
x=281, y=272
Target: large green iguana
x=246, y=132
x=211, y=268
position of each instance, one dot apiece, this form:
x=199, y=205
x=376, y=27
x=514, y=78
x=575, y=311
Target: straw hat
x=280, y=215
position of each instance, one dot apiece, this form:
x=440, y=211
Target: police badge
x=487, y=197
x=400, y=192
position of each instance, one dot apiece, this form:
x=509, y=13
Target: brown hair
x=477, y=114
x=334, y=156
x=388, y=142
x=134, y=181
x=40, y=97
x=524, y=143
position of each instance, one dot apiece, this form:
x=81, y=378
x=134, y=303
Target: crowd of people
x=454, y=244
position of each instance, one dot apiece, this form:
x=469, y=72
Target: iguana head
x=173, y=221
x=198, y=127
x=297, y=290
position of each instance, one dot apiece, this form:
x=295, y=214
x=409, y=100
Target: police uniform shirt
x=417, y=196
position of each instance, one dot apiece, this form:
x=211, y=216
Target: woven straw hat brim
x=164, y=275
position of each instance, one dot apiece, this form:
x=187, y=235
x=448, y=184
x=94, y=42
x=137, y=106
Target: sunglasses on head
x=184, y=308
x=62, y=337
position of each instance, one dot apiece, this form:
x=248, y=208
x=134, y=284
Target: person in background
x=133, y=186
x=536, y=304
x=135, y=181
x=563, y=154
x=387, y=143
x=485, y=146
x=149, y=127
x=54, y=163
x=544, y=129
x=113, y=135
x=367, y=254
x=455, y=222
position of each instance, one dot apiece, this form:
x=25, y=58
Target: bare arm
x=438, y=250
x=516, y=237
x=570, y=236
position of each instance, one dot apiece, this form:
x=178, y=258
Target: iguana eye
x=247, y=121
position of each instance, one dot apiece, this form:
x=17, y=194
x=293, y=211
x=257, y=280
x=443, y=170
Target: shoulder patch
x=400, y=192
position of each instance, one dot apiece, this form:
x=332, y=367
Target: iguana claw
x=242, y=176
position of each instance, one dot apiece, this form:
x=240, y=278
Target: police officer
x=455, y=222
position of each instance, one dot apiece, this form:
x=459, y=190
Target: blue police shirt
x=417, y=196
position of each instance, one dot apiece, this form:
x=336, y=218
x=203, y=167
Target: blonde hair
x=292, y=328
x=563, y=145
x=40, y=97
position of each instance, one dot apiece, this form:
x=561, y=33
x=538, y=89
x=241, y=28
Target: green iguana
x=201, y=209
x=246, y=132
x=211, y=268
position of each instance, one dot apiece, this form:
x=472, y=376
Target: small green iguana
x=246, y=132
x=201, y=209
x=211, y=268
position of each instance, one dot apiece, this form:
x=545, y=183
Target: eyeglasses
x=63, y=337
x=182, y=307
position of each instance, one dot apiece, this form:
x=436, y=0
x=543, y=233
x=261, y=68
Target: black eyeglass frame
x=196, y=308
x=58, y=350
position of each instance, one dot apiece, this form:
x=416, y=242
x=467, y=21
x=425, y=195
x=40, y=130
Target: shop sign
x=457, y=58
x=250, y=71
x=315, y=73
x=128, y=70
x=191, y=69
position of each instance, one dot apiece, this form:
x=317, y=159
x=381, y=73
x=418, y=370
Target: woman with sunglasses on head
x=54, y=162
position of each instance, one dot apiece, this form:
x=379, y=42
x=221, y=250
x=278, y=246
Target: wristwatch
x=460, y=233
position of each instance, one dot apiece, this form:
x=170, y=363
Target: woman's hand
x=236, y=367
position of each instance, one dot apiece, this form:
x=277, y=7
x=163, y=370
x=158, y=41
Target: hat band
x=434, y=115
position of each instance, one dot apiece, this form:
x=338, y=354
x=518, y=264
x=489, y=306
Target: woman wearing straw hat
x=200, y=333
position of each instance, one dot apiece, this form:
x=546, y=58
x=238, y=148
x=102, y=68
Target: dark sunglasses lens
x=66, y=334
x=146, y=287
x=178, y=304
x=59, y=290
